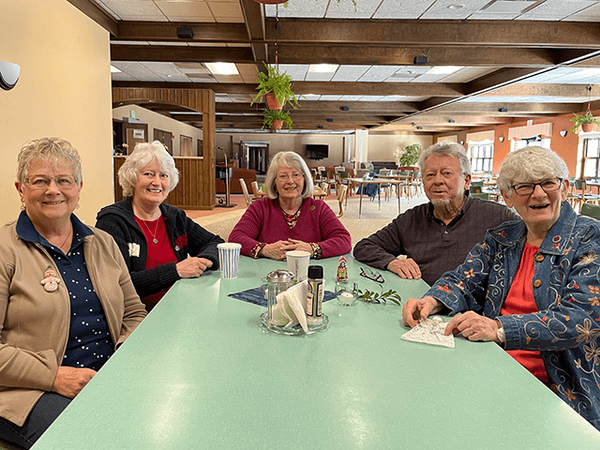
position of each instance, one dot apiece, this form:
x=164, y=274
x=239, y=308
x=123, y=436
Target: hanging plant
x=585, y=121
x=275, y=118
x=410, y=156
x=276, y=83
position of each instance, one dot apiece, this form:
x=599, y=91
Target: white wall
x=377, y=147
x=64, y=90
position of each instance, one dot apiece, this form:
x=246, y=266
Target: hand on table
x=419, y=308
x=474, y=327
x=277, y=250
x=193, y=267
x=405, y=268
x=301, y=245
x=69, y=381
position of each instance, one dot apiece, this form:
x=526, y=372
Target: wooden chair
x=256, y=191
x=587, y=209
x=583, y=196
x=341, y=195
x=245, y=191
x=325, y=186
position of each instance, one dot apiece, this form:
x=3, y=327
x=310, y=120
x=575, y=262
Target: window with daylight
x=591, y=158
x=482, y=156
x=535, y=140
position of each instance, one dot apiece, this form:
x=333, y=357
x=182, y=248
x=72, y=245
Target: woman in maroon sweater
x=289, y=218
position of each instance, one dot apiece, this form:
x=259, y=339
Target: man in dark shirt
x=430, y=239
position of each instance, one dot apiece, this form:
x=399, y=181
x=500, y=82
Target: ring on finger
x=471, y=331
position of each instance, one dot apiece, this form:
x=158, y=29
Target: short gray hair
x=450, y=149
x=289, y=160
x=143, y=154
x=530, y=164
x=52, y=149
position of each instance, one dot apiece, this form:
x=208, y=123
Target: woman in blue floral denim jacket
x=532, y=285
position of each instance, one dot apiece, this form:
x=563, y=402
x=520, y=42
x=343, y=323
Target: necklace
x=154, y=240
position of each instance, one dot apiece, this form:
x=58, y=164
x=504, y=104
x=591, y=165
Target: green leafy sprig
x=368, y=296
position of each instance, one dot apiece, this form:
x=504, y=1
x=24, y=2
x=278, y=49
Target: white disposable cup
x=297, y=261
x=229, y=259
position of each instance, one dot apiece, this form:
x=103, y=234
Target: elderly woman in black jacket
x=159, y=242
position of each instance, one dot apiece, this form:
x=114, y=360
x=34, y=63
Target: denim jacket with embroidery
x=566, y=289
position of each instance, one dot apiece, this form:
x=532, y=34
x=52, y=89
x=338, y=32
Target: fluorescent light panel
x=222, y=68
x=323, y=68
x=443, y=70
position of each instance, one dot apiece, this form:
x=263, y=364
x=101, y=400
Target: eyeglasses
x=43, y=182
x=547, y=186
x=284, y=177
x=375, y=276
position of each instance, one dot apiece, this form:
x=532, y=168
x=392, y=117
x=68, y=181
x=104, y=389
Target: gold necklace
x=154, y=240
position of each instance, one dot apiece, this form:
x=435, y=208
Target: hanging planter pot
x=276, y=118
x=587, y=127
x=272, y=102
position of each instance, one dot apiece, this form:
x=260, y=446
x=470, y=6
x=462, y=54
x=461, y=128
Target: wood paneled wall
x=188, y=193
x=198, y=177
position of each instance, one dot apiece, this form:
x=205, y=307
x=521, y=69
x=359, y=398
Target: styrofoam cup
x=297, y=261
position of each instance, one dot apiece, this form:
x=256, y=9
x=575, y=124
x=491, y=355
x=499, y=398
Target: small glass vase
x=346, y=292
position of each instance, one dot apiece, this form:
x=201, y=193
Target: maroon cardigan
x=263, y=221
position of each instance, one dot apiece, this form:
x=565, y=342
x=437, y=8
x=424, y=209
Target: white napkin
x=430, y=331
x=290, y=309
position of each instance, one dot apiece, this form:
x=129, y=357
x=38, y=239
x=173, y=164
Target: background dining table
x=201, y=372
x=379, y=181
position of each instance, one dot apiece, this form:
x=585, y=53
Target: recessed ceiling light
x=323, y=68
x=455, y=6
x=222, y=68
x=443, y=70
x=113, y=69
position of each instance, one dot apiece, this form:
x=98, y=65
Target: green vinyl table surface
x=200, y=372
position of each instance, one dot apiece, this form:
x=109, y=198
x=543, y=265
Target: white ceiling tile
x=296, y=71
x=364, y=9
x=492, y=16
x=555, y=10
x=133, y=9
x=378, y=73
x=402, y=9
x=298, y=8
x=350, y=98
x=186, y=11
x=130, y=42
x=442, y=9
x=330, y=98
x=590, y=14
x=508, y=7
x=349, y=73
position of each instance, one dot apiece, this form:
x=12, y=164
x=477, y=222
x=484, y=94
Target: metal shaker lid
x=280, y=276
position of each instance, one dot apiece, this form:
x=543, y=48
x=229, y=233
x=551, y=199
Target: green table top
x=200, y=372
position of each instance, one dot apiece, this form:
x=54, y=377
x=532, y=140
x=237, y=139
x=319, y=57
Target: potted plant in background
x=275, y=118
x=585, y=121
x=277, y=86
x=410, y=156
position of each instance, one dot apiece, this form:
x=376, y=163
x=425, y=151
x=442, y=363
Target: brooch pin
x=51, y=280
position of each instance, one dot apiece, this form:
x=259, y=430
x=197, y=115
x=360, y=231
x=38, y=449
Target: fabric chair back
x=255, y=190
x=587, y=209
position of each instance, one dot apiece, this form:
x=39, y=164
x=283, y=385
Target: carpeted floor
x=222, y=220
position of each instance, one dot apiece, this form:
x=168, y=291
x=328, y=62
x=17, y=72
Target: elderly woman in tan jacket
x=66, y=298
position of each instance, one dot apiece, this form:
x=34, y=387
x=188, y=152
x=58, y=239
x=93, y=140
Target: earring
x=22, y=206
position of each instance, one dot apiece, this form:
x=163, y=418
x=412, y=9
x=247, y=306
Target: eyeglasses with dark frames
x=375, y=276
x=547, y=186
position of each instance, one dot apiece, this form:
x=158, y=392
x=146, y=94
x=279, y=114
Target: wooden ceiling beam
x=167, y=31
x=166, y=53
x=424, y=33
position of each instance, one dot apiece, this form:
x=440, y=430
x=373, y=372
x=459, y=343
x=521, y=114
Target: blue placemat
x=256, y=296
